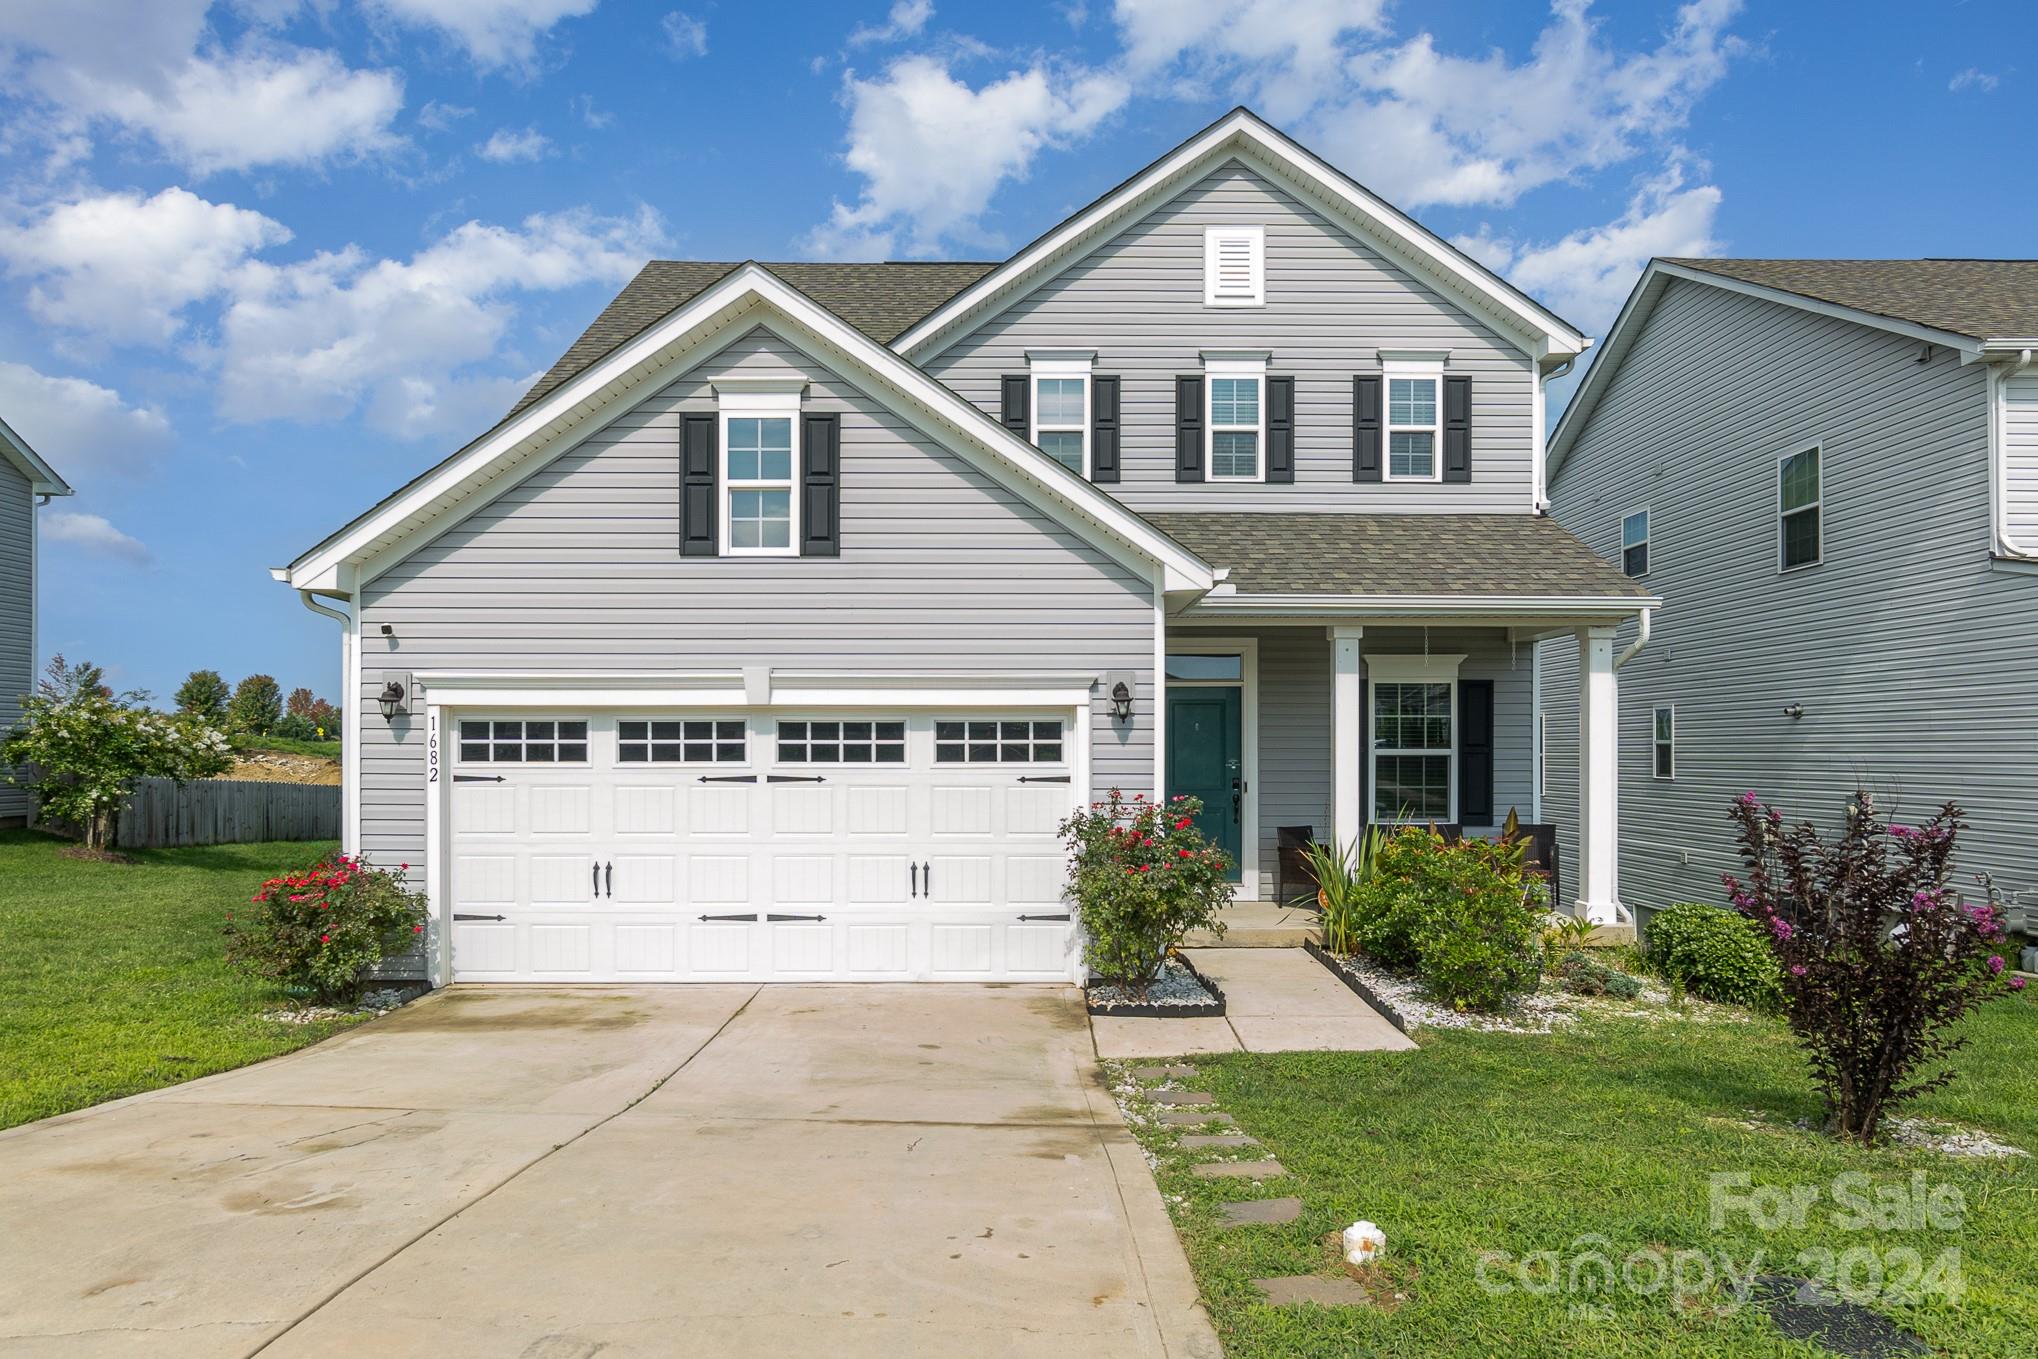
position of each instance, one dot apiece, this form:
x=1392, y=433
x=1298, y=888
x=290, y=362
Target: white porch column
x=1348, y=735
x=1598, y=778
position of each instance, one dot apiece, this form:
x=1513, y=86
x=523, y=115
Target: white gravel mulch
x=1947, y=1138
x=1176, y=985
x=376, y=1002
x=1541, y=1011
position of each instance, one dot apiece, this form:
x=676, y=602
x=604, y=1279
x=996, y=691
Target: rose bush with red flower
x=1141, y=876
x=1878, y=957
x=321, y=930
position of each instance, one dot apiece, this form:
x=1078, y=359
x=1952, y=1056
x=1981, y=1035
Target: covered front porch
x=1316, y=712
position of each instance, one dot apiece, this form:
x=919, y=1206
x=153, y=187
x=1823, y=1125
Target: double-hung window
x=1800, y=513
x=1236, y=416
x=1413, y=740
x=1061, y=409
x=1663, y=742
x=1414, y=422
x=758, y=501
x=1634, y=543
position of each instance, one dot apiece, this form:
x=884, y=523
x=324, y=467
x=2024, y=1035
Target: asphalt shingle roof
x=881, y=300
x=1985, y=299
x=1397, y=554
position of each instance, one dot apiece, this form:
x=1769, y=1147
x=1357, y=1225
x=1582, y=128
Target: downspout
x=1641, y=640
x=1540, y=491
x=311, y=602
x=350, y=735
x=1998, y=449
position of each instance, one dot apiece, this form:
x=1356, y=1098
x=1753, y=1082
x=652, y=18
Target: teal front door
x=1204, y=761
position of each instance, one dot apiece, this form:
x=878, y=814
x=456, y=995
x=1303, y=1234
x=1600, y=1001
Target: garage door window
x=680, y=741
x=523, y=741
x=842, y=742
x=999, y=742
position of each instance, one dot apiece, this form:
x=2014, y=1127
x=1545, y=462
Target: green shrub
x=320, y=929
x=1142, y=876
x=1717, y=953
x=1583, y=975
x=1464, y=917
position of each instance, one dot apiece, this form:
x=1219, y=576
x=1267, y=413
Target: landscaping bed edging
x=1357, y=987
x=1210, y=1009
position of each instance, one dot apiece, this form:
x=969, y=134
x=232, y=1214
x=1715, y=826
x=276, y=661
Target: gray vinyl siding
x=577, y=569
x=1295, y=725
x=2020, y=460
x=1332, y=303
x=17, y=617
x=1916, y=664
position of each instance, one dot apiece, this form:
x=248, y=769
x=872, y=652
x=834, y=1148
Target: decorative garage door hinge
x=1043, y=778
x=458, y=916
x=477, y=778
x=728, y=778
x=1063, y=916
x=794, y=778
x=750, y=918
x=768, y=915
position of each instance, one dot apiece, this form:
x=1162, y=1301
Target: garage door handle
x=927, y=878
x=769, y=916
x=1063, y=916
x=750, y=918
x=458, y=916
x=1043, y=778
x=608, y=873
x=913, y=870
x=728, y=778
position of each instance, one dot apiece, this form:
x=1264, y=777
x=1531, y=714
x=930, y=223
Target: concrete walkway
x=555, y=1173
x=1275, y=1000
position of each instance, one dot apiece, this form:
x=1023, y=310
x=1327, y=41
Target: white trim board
x=1244, y=136
x=750, y=295
x=42, y=478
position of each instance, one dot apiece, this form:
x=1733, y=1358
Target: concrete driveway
x=554, y=1173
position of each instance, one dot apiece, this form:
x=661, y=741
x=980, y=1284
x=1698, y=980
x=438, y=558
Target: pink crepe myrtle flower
x=2016, y=983
x=1781, y=928
x=1797, y=969
x=1995, y=963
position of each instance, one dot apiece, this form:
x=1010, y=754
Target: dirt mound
x=275, y=766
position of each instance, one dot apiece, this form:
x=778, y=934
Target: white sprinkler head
x=1364, y=1241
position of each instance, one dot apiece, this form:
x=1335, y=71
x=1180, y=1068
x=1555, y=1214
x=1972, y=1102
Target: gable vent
x=1234, y=266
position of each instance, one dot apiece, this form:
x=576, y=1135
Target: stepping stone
x=1260, y=1212
x=1803, y=1310
x=1191, y=1118
x=1181, y=1097
x=1307, y=1288
x=1179, y=1071
x=1219, y=1140
x=1238, y=1170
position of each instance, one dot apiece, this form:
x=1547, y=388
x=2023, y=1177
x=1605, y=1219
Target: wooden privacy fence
x=228, y=812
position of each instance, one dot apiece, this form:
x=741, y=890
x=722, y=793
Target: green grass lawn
x=112, y=979
x=1520, y=1144
x=287, y=745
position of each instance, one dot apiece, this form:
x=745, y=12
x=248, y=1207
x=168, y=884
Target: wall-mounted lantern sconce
x=1794, y=710
x=1121, y=701
x=395, y=695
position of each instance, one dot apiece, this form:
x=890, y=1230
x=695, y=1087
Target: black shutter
x=1457, y=429
x=698, y=471
x=1475, y=752
x=1281, y=429
x=1366, y=427
x=1015, y=404
x=821, y=486
x=1104, y=429
x=1188, y=429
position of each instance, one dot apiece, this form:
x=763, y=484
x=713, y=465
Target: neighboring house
x=774, y=631
x=1829, y=470
x=24, y=477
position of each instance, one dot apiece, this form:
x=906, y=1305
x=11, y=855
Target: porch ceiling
x=1486, y=557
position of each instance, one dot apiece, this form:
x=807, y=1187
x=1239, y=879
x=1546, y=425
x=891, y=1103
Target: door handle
x=608, y=879
x=1236, y=804
x=913, y=872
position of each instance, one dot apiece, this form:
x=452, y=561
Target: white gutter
x=1539, y=494
x=1998, y=456
x=1641, y=640
x=350, y=719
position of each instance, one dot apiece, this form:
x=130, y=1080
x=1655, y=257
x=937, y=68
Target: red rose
x=1183, y=824
x=325, y=939
x=417, y=929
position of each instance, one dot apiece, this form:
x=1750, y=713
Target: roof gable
x=748, y=296
x=42, y=478
x=1244, y=136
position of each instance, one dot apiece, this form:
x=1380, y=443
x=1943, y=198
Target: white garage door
x=759, y=847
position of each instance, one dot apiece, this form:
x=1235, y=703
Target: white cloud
x=83, y=429
x=1974, y=78
x=439, y=117
x=1281, y=56
x=906, y=18
x=1587, y=275
x=507, y=146
x=932, y=150
x=494, y=33
x=123, y=267
x=323, y=338
x=685, y=36
x=93, y=534
x=590, y=116
x=153, y=71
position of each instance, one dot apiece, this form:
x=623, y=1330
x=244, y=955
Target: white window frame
x=1419, y=367
x=1061, y=365
x=647, y=763
x=999, y=719
x=1657, y=744
x=1256, y=243
x=1647, y=546
x=767, y=400
x=1817, y=506
x=1234, y=364
x=906, y=742
x=1435, y=669
x=523, y=743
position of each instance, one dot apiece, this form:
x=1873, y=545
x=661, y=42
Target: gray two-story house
x=25, y=479
x=776, y=629
x=1828, y=469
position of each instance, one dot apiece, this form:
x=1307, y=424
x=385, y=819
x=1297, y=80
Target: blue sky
x=264, y=260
